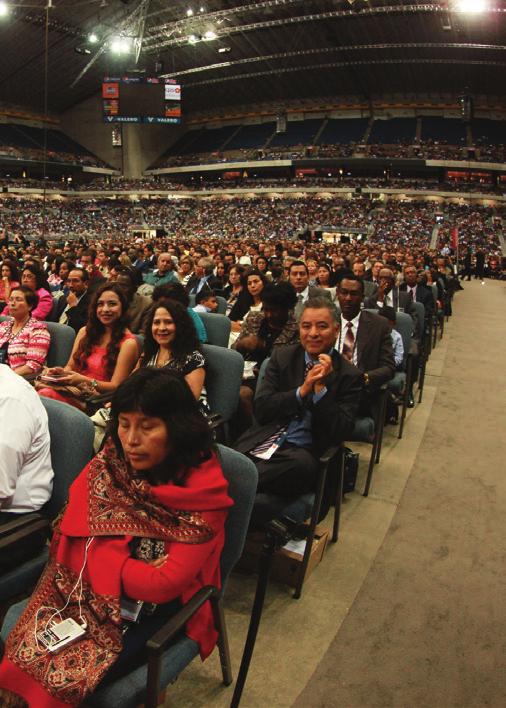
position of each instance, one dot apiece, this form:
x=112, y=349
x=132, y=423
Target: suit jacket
x=370, y=288
x=423, y=295
x=78, y=316
x=276, y=403
x=400, y=299
x=375, y=354
x=314, y=291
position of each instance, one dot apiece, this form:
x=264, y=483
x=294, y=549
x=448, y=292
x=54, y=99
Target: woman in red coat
x=144, y=522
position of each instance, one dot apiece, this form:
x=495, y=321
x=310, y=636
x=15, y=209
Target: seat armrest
x=413, y=348
x=329, y=454
x=24, y=532
x=18, y=522
x=156, y=644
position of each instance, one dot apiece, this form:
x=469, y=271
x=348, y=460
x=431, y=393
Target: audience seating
x=62, y=341
x=72, y=434
x=217, y=328
x=224, y=372
x=169, y=651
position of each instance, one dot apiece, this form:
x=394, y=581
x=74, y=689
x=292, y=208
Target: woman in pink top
x=104, y=352
x=33, y=277
x=24, y=341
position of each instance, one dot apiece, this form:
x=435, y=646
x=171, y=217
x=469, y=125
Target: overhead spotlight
x=210, y=35
x=471, y=6
x=82, y=50
x=189, y=12
x=120, y=45
x=92, y=38
x=193, y=39
x=222, y=50
x=202, y=9
x=4, y=9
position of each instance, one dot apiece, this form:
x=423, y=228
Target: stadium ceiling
x=227, y=53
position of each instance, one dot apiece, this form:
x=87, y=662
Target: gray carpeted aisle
x=428, y=627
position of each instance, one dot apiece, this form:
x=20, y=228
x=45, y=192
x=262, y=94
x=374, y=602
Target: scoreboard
x=135, y=99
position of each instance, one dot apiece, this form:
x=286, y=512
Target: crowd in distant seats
x=198, y=183
x=391, y=222
x=423, y=150
x=25, y=153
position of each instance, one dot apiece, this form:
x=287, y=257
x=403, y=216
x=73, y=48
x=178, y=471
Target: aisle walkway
x=428, y=627
x=407, y=608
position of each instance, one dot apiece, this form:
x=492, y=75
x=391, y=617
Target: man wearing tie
x=364, y=339
x=307, y=401
x=298, y=276
x=388, y=294
x=418, y=291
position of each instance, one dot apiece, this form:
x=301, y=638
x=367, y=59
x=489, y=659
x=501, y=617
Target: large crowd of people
x=422, y=150
x=392, y=222
x=146, y=516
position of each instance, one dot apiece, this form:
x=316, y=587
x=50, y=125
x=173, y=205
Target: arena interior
x=352, y=138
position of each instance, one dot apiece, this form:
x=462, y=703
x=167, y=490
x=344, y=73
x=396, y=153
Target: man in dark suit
x=418, y=291
x=75, y=313
x=306, y=402
x=389, y=294
x=298, y=276
x=364, y=338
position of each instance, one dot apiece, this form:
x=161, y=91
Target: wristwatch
x=94, y=383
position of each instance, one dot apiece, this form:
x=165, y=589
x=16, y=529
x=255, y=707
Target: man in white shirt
x=26, y=474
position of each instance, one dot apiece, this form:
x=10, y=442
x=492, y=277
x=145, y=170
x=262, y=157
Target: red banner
x=454, y=236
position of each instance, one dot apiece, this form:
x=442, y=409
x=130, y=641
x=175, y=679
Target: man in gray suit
x=298, y=275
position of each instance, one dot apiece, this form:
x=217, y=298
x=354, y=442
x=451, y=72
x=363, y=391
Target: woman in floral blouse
x=24, y=341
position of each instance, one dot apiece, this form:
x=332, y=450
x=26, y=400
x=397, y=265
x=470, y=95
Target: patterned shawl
x=112, y=503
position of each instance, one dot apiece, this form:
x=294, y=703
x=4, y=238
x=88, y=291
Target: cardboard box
x=287, y=561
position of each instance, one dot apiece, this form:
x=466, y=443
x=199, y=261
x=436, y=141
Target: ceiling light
x=120, y=45
x=209, y=35
x=222, y=50
x=4, y=8
x=92, y=38
x=471, y=6
x=193, y=39
x=189, y=12
x=202, y=9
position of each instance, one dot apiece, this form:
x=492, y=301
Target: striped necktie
x=349, y=343
x=279, y=432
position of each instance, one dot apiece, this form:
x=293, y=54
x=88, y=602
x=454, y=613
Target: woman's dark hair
x=70, y=265
x=171, y=291
x=13, y=268
x=265, y=260
x=165, y=394
x=40, y=276
x=57, y=260
x=241, y=270
x=258, y=273
x=185, y=341
x=95, y=329
x=32, y=299
x=329, y=270
x=281, y=295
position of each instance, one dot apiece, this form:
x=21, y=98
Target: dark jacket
x=276, y=403
x=375, y=355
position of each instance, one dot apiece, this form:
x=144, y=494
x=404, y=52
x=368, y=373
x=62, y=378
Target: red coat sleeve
x=142, y=581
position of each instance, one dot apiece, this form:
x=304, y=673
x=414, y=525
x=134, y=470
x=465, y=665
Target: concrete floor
x=408, y=607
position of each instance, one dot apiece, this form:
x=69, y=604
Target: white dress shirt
x=342, y=335
x=26, y=474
